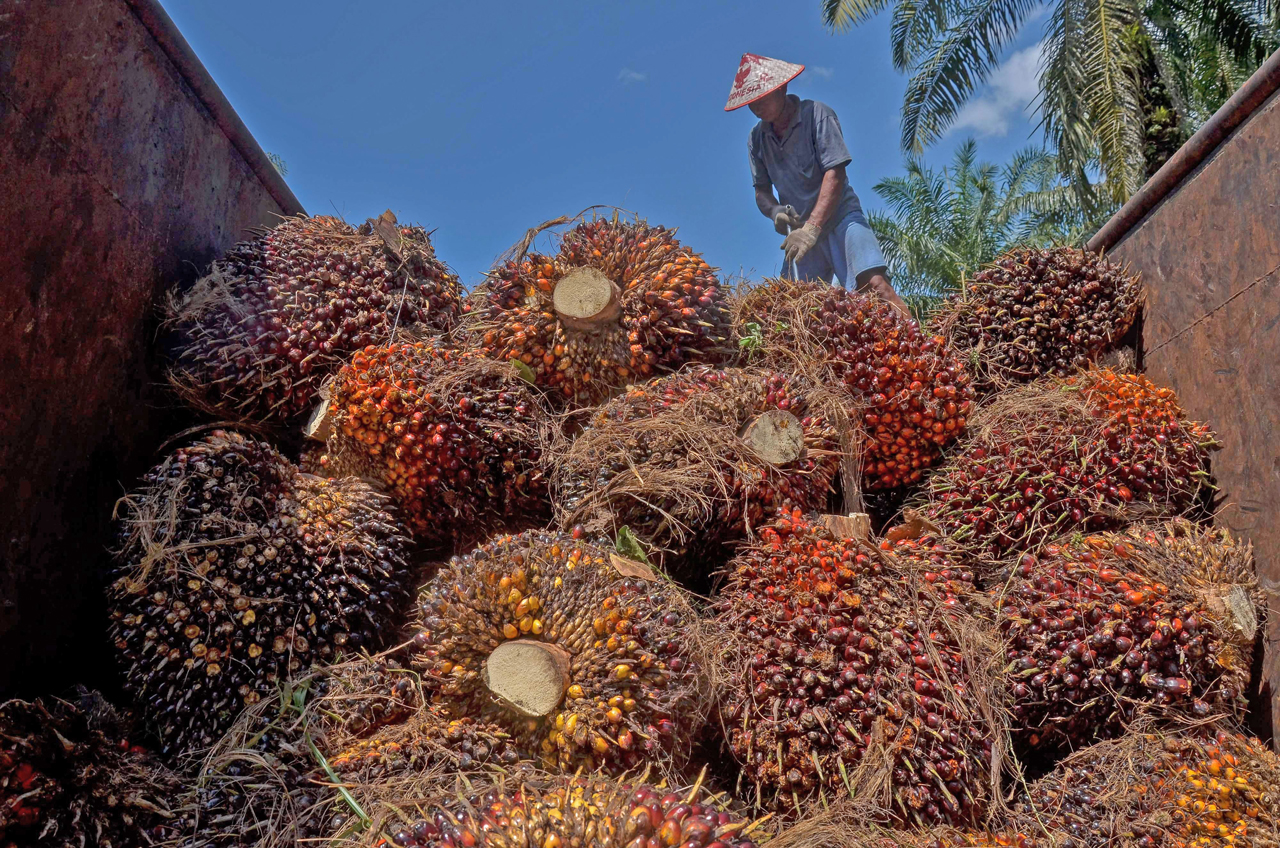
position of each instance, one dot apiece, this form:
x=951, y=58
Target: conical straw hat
x=757, y=76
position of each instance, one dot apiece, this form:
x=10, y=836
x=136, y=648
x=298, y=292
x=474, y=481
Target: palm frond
x=959, y=60
x=840, y=15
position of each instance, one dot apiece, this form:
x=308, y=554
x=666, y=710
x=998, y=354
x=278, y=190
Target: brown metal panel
x=115, y=181
x=1209, y=255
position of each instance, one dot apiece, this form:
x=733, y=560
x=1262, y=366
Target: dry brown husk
x=700, y=452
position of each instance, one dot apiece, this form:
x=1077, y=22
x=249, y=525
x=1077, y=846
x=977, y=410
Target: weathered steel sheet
x=115, y=181
x=1210, y=257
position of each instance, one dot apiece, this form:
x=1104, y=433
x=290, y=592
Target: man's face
x=771, y=106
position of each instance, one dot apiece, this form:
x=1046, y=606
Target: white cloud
x=824, y=73
x=629, y=76
x=1010, y=90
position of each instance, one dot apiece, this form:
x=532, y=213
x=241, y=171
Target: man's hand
x=800, y=242
x=785, y=219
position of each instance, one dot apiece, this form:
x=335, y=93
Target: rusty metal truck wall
x=120, y=173
x=1209, y=253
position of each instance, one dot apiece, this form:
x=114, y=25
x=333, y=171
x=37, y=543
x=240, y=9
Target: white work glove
x=785, y=219
x=800, y=242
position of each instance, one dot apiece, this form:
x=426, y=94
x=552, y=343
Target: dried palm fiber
x=906, y=388
x=70, y=776
x=1100, y=628
x=855, y=673
x=256, y=338
x=1039, y=312
x=380, y=728
x=620, y=302
x=547, y=637
x=576, y=812
x=1090, y=452
x=236, y=571
x=454, y=437
x=696, y=460
x=263, y=783
x=1199, y=789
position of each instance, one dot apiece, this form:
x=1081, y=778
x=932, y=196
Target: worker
x=798, y=149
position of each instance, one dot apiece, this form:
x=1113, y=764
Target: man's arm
x=765, y=201
x=833, y=182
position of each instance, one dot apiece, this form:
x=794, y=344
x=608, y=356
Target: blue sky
x=481, y=120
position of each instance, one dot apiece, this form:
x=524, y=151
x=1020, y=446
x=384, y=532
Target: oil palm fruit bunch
x=1198, y=790
x=698, y=459
x=852, y=671
x=576, y=813
x=427, y=740
x=71, y=776
x=1040, y=312
x=618, y=303
x=1088, y=452
x=543, y=635
x=454, y=437
x=236, y=571
x=256, y=338
x=908, y=390
x=1103, y=627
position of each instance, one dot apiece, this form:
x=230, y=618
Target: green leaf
x=523, y=371
x=629, y=546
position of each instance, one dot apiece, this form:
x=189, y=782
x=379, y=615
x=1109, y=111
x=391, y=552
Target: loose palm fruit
x=237, y=571
x=70, y=777
x=1201, y=790
x=454, y=437
x=279, y=314
x=843, y=661
x=1101, y=628
x=576, y=813
x=543, y=636
x=908, y=390
x=697, y=460
x=1090, y=452
x=620, y=302
x=1038, y=312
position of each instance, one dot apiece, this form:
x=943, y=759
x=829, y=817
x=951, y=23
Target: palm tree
x=1092, y=104
x=941, y=226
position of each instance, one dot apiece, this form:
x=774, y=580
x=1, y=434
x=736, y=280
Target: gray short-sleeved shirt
x=795, y=163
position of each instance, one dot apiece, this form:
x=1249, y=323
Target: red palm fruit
x=70, y=776
x=543, y=636
x=277, y=316
x=696, y=460
x=1199, y=789
x=907, y=388
x=1102, y=628
x=1037, y=313
x=235, y=572
x=1090, y=452
x=620, y=302
x=454, y=438
x=853, y=671
x=576, y=813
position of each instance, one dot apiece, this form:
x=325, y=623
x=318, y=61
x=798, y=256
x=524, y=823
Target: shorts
x=848, y=251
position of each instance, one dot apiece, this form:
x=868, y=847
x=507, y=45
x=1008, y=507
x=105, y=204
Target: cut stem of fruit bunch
x=697, y=460
x=235, y=572
x=906, y=390
x=1089, y=452
x=853, y=673
x=618, y=303
x=592, y=669
x=277, y=316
